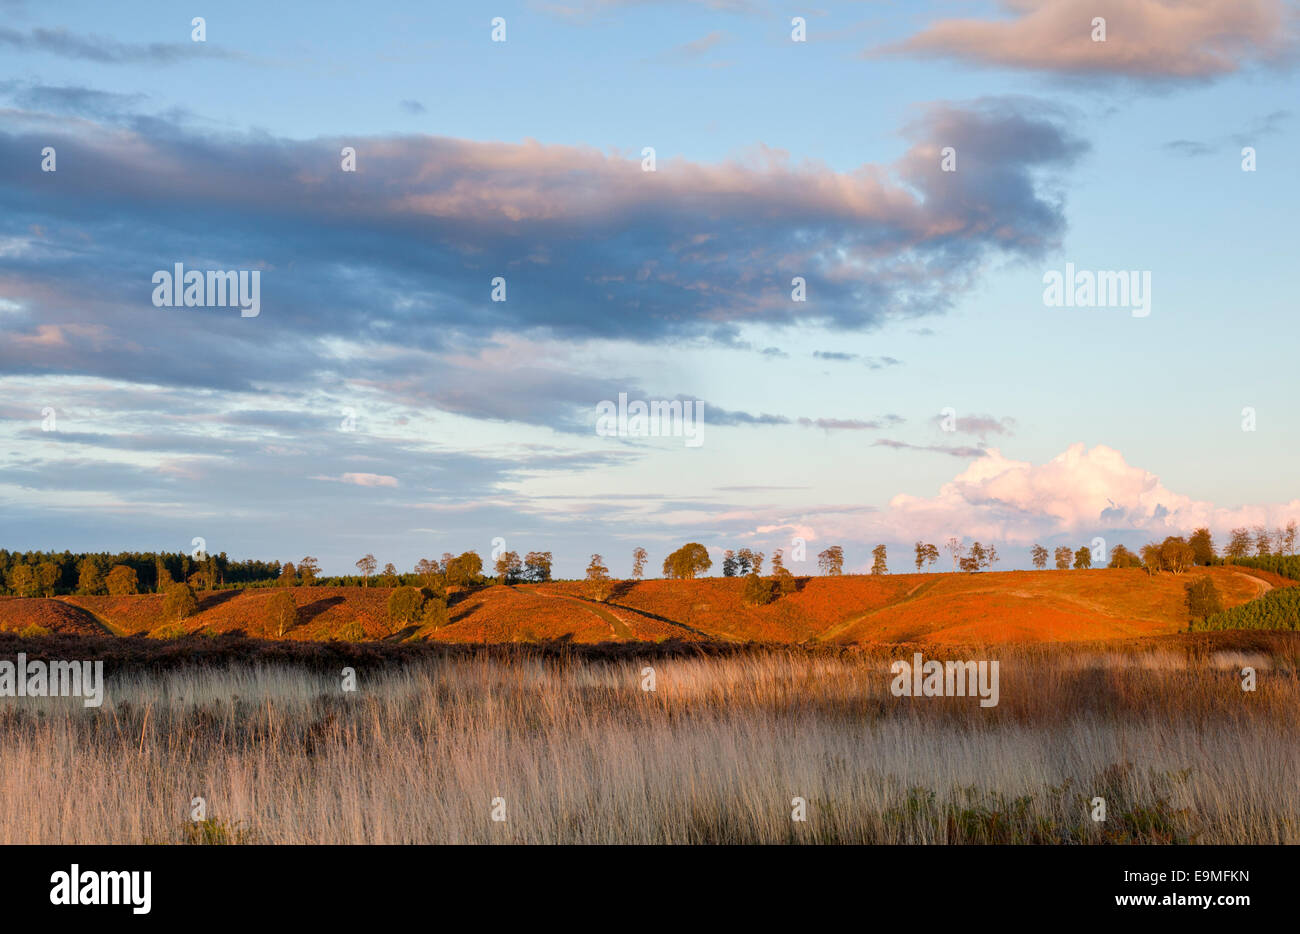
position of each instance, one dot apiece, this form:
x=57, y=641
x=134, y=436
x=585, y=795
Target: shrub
x=758, y=591
x=405, y=606
x=283, y=613
x=1203, y=599
x=785, y=582
x=32, y=630
x=435, y=613
x=180, y=602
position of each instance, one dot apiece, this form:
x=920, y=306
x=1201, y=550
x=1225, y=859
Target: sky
x=923, y=169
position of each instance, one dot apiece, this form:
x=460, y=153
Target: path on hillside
x=1262, y=585
x=616, y=624
x=915, y=593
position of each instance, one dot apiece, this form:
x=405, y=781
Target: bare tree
x=953, y=547
x=639, y=557
x=367, y=567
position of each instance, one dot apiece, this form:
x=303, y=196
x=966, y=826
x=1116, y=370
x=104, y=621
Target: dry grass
x=582, y=755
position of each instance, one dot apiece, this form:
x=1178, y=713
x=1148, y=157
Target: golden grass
x=582, y=755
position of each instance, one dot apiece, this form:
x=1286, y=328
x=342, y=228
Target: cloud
x=874, y=363
x=1261, y=128
x=1148, y=40
x=1081, y=492
x=413, y=107
x=980, y=425
x=951, y=450
x=360, y=268
x=106, y=51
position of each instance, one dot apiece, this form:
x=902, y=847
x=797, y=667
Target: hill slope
x=1013, y=606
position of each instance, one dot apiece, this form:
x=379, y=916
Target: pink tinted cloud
x=1145, y=39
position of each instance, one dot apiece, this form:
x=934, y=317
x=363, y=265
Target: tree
x=778, y=562
x=1083, y=558
x=953, y=547
x=47, y=575
x=405, y=607
x=1203, y=598
x=785, y=582
x=390, y=575
x=980, y=556
x=1288, y=537
x=687, y=562
x=22, y=580
x=969, y=563
x=122, y=581
x=729, y=565
x=90, y=576
x=991, y=556
x=308, y=571
x=1121, y=557
x=831, y=561
x=1063, y=555
x=1176, y=555
x=931, y=555
x=1039, y=554
x=283, y=613
x=920, y=555
x=639, y=558
x=1238, y=544
x=288, y=575
x=465, y=569
x=749, y=561
x=537, y=566
x=162, y=576
x=597, y=581
x=1151, y=558
x=1262, y=541
x=1202, y=546
x=509, y=568
x=367, y=567
x=180, y=602
x=878, y=565
x=758, y=592
x=428, y=572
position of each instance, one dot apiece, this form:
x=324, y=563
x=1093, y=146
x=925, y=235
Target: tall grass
x=581, y=754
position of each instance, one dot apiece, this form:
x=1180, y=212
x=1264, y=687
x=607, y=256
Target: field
x=996, y=608
x=572, y=749
x=532, y=703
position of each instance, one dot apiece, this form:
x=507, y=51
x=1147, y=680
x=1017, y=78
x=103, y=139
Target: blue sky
x=475, y=420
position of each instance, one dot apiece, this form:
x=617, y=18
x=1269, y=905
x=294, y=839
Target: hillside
x=1013, y=606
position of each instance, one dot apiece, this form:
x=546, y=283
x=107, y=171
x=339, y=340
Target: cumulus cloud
x=1145, y=39
x=1080, y=491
